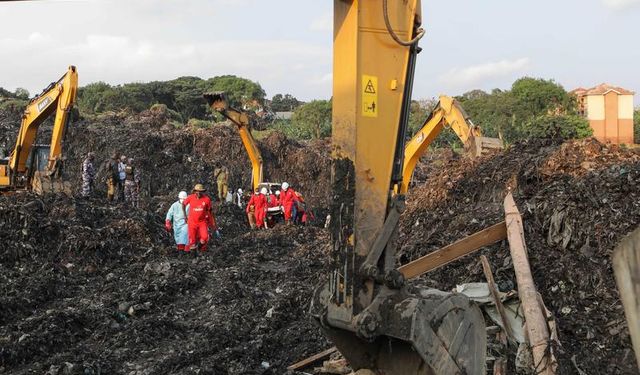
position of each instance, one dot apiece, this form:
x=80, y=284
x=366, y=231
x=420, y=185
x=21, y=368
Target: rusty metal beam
x=454, y=251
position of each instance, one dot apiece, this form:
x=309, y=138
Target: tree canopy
x=532, y=108
x=284, y=103
x=183, y=95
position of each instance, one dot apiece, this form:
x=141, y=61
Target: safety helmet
x=239, y=191
x=277, y=192
x=285, y=186
x=199, y=187
x=182, y=195
x=263, y=191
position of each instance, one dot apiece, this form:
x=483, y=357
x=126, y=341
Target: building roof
x=602, y=89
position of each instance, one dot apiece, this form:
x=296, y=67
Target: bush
x=558, y=126
x=13, y=105
x=199, y=124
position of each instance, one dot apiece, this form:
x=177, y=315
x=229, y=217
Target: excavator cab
x=45, y=180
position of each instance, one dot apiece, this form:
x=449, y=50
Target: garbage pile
x=578, y=200
x=172, y=159
x=88, y=287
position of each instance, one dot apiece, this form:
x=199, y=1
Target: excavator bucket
x=412, y=331
x=217, y=100
x=478, y=146
x=41, y=184
x=626, y=266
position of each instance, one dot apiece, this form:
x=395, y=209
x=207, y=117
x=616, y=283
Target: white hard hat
x=277, y=192
x=263, y=191
x=285, y=186
x=240, y=191
x=182, y=195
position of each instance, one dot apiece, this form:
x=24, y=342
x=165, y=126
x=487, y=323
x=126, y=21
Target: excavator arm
x=375, y=319
x=218, y=102
x=448, y=112
x=59, y=98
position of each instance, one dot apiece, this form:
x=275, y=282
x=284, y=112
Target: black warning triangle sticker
x=369, y=89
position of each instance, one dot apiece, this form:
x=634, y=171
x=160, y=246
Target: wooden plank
x=486, y=267
x=454, y=251
x=626, y=266
x=537, y=329
x=307, y=361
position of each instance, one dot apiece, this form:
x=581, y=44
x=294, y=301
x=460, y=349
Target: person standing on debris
x=221, y=175
x=176, y=220
x=122, y=177
x=251, y=209
x=131, y=183
x=88, y=175
x=238, y=198
x=199, y=218
x=111, y=169
x=288, y=200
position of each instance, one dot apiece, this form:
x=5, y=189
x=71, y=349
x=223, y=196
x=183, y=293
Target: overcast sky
x=286, y=45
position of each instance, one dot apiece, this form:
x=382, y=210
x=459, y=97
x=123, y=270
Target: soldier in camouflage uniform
x=88, y=175
x=131, y=184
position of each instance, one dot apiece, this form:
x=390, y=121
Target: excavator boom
x=448, y=112
x=374, y=318
x=24, y=169
x=218, y=102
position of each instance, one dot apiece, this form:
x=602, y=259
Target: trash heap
x=577, y=199
x=173, y=159
x=88, y=287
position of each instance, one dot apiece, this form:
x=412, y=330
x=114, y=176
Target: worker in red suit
x=199, y=219
x=261, y=207
x=288, y=200
x=301, y=216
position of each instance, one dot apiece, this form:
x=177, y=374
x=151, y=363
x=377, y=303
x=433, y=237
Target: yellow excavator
x=39, y=167
x=378, y=321
x=448, y=112
x=219, y=103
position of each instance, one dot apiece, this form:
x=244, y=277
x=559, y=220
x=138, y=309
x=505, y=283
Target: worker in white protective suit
x=177, y=222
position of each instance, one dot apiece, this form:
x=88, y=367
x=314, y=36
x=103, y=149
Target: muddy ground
x=91, y=287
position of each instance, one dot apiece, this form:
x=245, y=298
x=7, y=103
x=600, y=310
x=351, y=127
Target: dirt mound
x=578, y=200
x=173, y=159
x=90, y=288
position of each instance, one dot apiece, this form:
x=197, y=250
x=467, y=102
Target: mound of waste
x=578, y=200
x=173, y=159
x=88, y=288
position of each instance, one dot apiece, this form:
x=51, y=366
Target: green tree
x=537, y=95
x=90, y=95
x=240, y=91
x=313, y=120
x=22, y=93
x=284, y=103
x=558, y=126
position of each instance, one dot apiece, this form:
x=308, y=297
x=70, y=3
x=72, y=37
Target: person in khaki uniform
x=112, y=176
x=221, y=175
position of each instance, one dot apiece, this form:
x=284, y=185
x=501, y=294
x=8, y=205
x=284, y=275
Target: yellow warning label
x=369, y=96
